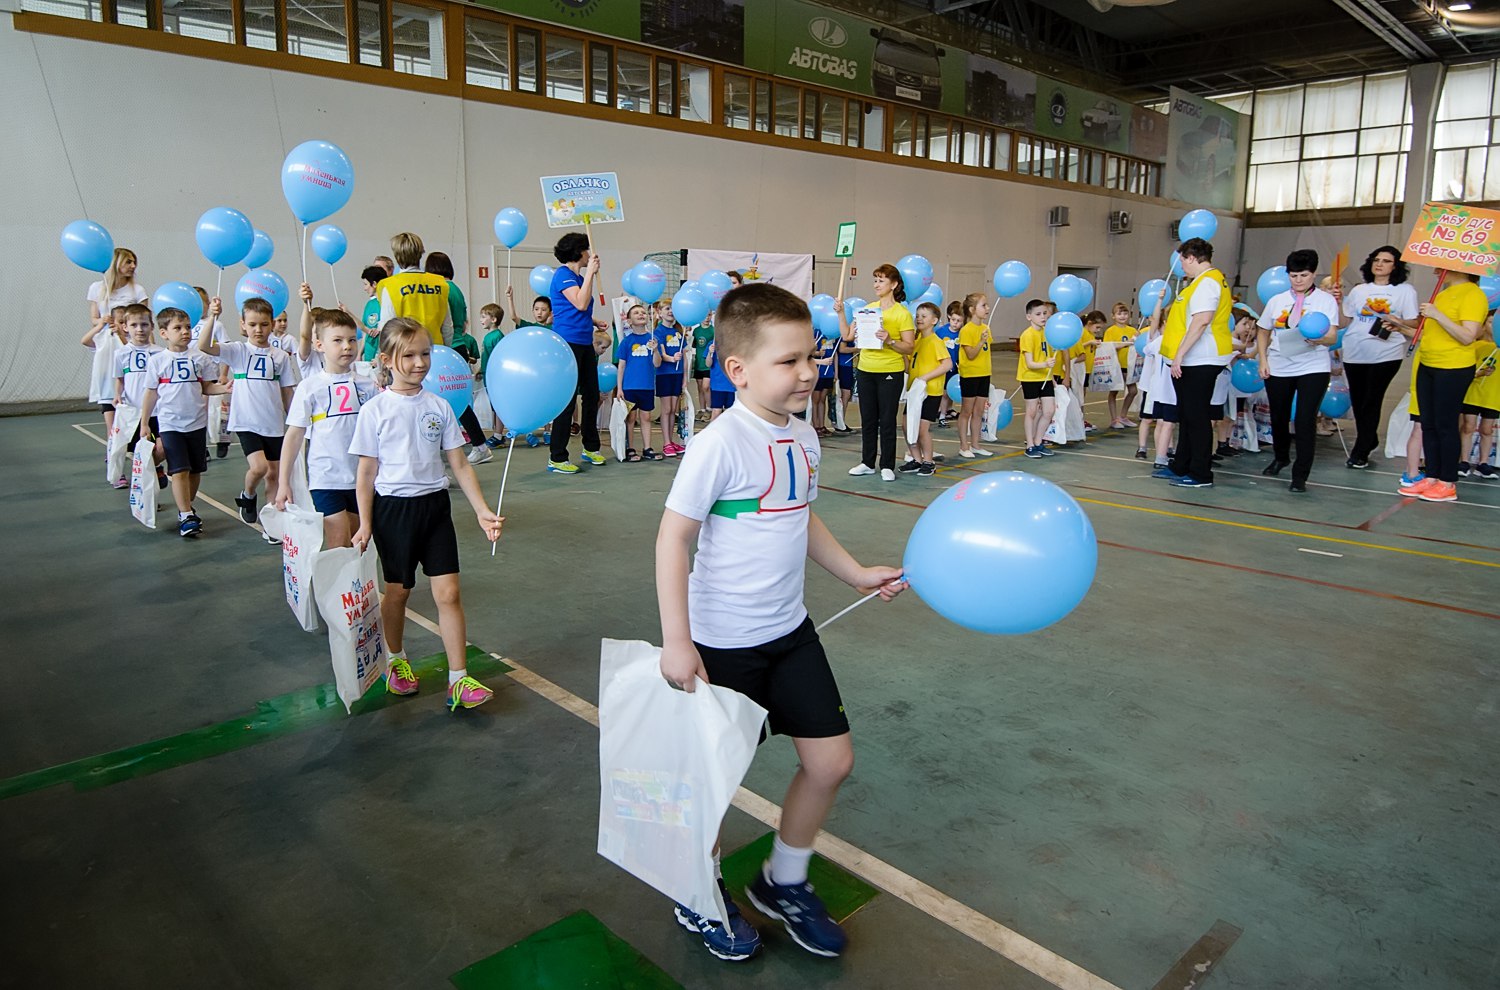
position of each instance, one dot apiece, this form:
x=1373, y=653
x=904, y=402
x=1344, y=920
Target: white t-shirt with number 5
x=407, y=434
x=751, y=485
x=327, y=407
x=260, y=373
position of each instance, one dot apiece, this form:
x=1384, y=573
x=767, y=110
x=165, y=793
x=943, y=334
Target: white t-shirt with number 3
x=260, y=373
x=407, y=434
x=751, y=485
x=327, y=406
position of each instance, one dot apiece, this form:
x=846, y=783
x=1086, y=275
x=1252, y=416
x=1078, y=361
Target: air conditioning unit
x=1119, y=221
x=1172, y=231
x=1057, y=216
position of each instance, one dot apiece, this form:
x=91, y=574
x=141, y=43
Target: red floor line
x=1234, y=567
x=1369, y=524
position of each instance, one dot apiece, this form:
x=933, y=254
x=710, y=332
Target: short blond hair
x=407, y=247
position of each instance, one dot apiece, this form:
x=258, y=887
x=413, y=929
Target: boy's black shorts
x=252, y=443
x=789, y=677
x=185, y=451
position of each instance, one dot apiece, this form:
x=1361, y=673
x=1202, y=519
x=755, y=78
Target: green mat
x=576, y=953
x=842, y=892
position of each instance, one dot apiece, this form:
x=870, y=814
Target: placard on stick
x=581, y=200
x=1456, y=237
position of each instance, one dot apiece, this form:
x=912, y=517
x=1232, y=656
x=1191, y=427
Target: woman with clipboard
x=885, y=335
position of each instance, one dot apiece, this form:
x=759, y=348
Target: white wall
x=189, y=134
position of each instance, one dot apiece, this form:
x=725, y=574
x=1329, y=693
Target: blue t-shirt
x=672, y=340
x=717, y=380
x=572, y=324
x=846, y=359
x=635, y=351
x=826, y=348
x=950, y=341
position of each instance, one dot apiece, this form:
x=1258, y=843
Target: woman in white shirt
x=117, y=288
x=1374, y=347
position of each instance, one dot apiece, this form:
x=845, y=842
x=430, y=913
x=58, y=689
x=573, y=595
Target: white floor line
x=932, y=902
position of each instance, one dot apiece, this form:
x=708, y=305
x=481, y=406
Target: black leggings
x=879, y=395
x=1195, y=428
x=1367, y=385
x=1308, y=391
x=1440, y=397
x=588, y=389
x=470, y=422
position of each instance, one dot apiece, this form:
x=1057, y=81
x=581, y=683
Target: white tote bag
x=991, y=415
x=483, y=411
x=301, y=534
x=121, y=440
x=1398, y=429
x=914, y=399
x=143, y=485
x=344, y=580
x=669, y=764
x=687, y=417
x=618, y=440
x=1107, y=376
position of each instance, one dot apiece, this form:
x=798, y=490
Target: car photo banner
x=1207, y=146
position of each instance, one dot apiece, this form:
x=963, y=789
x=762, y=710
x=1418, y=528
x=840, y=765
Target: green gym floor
x=1260, y=754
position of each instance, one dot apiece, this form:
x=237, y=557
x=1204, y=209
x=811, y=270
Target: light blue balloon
x=627, y=281
x=716, y=284
x=1087, y=289
x=1313, y=325
x=1491, y=286
x=609, y=377
x=1272, y=282
x=1067, y=291
x=1335, y=404
x=317, y=179
x=1003, y=552
x=531, y=377
x=1006, y=413
x=954, y=390
x=821, y=301
x=1197, y=223
x=1174, y=266
x=916, y=274
x=510, y=228
x=261, y=249
x=88, y=245
x=329, y=243
x=540, y=279
x=1140, y=343
x=826, y=322
x=1244, y=375
x=262, y=283
x=934, y=295
x=692, y=283
x=1011, y=279
x=224, y=236
x=1338, y=343
x=690, y=305
x=1151, y=289
x=852, y=304
x=649, y=281
x=449, y=378
x=178, y=295
x=1063, y=330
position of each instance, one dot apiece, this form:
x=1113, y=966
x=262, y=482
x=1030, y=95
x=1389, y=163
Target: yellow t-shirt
x=1033, y=344
x=968, y=336
x=896, y=320
x=930, y=352
x=1084, y=351
x=1485, y=392
x=1461, y=303
x=1116, y=334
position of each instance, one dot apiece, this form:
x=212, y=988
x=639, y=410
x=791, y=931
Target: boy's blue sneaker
x=1188, y=481
x=1034, y=452
x=1046, y=448
x=734, y=942
x=800, y=912
x=190, y=525
x=1407, y=480
x=494, y=443
x=1167, y=474
x=532, y=440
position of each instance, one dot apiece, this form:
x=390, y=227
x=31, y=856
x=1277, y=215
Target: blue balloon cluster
x=852, y=305
x=449, y=378
x=1071, y=293
x=646, y=281
x=531, y=377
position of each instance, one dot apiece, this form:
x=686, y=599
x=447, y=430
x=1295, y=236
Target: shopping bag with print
x=344, y=583
x=669, y=764
x=143, y=484
x=1398, y=429
x=619, y=437
x=1074, y=418
x=218, y=418
x=301, y=534
x=687, y=416
x=121, y=440
x=1057, y=432
x=915, y=396
x=1107, y=376
x=987, y=429
x=1132, y=366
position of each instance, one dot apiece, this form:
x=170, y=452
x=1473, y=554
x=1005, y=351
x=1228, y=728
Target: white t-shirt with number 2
x=751, y=485
x=407, y=434
x=260, y=373
x=327, y=407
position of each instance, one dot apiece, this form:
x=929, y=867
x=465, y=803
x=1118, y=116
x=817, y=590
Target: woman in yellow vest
x=881, y=371
x=413, y=293
x=1197, y=340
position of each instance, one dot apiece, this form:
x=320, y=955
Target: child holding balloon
x=930, y=364
x=949, y=331
x=175, y=402
x=744, y=496
x=640, y=356
x=669, y=377
x=1034, y=372
x=974, y=369
x=401, y=438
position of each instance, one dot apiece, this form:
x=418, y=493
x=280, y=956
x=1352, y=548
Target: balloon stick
x=500, y=500
x=507, y=270
x=333, y=277
x=219, y=286
x=304, y=252
x=828, y=622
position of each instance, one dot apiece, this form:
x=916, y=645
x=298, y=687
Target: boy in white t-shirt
x=262, y=390
x=307, y=358
x=744, y=494
x=324, y=409
x=175, y=401
x=130, y=379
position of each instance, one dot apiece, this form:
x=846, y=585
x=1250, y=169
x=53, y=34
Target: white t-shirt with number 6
x=327, y=407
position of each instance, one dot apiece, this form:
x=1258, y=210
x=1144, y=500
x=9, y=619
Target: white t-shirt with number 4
x=177, y=378
x=260, y=373
x=327, y=407
x=407, y=434
x=751, y=485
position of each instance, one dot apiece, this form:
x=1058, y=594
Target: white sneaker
x=886, y=474
x=861, y=469
x=480, y=455
x=967, y=455
x=981, y=452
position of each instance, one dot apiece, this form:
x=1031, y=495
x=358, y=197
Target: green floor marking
x=279, y=716
x=576, y=953
x=842, y=892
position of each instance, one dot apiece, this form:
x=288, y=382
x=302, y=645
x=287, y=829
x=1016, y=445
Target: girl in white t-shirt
x=117, y=288
x=401, y=437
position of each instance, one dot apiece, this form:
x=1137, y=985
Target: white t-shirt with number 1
x=260, y=373
x=327, y=407
x=751, y=485
x=407, y=434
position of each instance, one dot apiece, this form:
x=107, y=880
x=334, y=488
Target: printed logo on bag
x=432, y=427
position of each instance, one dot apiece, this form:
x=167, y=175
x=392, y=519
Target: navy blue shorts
x=669, y=386
x=185, y=451
x=332, y=501
x=846, y=378
x=720, y=400
x=642, y=398
x=824, y=384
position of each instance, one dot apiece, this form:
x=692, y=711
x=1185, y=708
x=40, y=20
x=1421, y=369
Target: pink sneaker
x=673, y=449
x=468, y=693
x=399, y=678
x=119, y=483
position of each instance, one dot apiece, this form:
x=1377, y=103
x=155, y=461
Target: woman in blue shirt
x=573, y=320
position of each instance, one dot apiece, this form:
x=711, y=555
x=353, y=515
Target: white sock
x=788, y=863
x=398, y=654
x=454, y=676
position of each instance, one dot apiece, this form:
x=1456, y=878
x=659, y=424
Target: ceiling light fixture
x=1460, y=7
